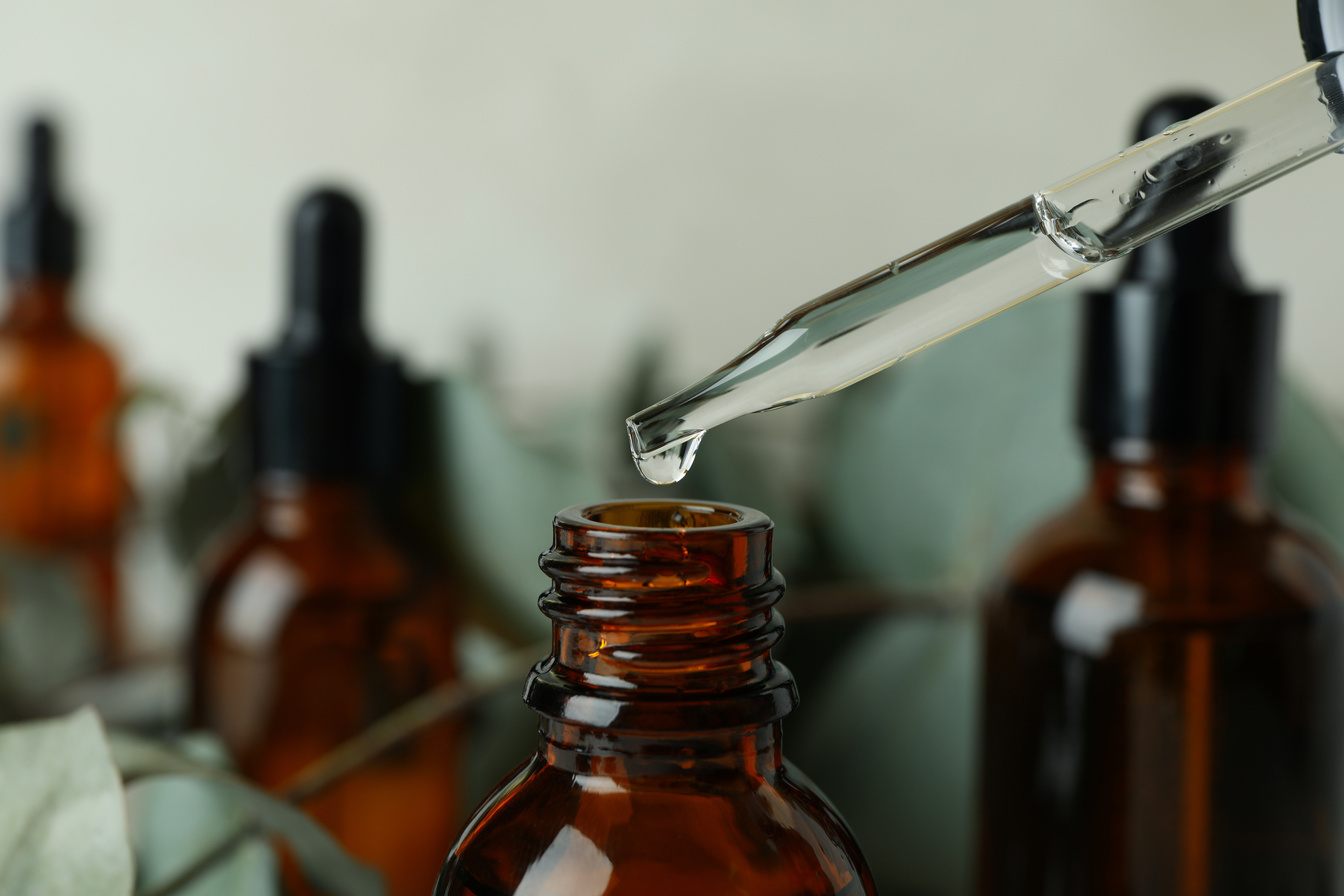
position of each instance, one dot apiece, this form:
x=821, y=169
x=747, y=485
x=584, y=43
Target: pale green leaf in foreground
x=198, y=784
x=63, y=826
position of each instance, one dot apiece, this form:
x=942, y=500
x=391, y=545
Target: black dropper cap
x=40, y=233
x=1321, y=25
x=1180, y=352
x=324, y=403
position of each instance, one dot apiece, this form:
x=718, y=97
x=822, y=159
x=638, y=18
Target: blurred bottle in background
x=315, y=619
x=62, y=487
x=1162, y=697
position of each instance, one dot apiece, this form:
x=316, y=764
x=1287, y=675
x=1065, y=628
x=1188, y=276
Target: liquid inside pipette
x=1099, y=215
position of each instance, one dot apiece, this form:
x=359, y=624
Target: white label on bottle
x=1093, y=608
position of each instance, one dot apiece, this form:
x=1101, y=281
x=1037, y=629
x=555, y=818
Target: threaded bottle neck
x=663, y=619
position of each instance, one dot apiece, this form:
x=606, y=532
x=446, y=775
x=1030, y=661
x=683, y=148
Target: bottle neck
x=39, y=302
x=756, y=752
x=663, y=618
x=1144, y=475
x=289, y=507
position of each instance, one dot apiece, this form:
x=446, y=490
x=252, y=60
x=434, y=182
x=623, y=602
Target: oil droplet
x=1225, y=139
x=1124, y=199
x=1150, y=176
x=1171, y=129
x=1139, y=194
x=669, y=464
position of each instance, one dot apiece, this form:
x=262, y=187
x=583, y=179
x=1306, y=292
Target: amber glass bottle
x=315, y=621
x=658, y=769
x=1162, y=669
x=62, y=487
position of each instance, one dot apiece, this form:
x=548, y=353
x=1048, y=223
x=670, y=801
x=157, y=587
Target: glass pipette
x=1096, y=216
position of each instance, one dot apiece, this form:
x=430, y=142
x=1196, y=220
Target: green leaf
x=213, y=486
x=503, y=494
x=47, y=632
x=201, y=790
x=1306, y=467
x=175, y=821
x=900, y=769
x=63, y=827
x=932, y=470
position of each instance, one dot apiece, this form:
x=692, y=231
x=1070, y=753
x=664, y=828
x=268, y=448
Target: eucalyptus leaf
x=1306, y=466
x=48, y=636
x=176, y=820
x=931, y=471
x=63, y=828
x=503, y=493
x=200, y=789
x=213, y=486
x=900, y=769
x=503, y=729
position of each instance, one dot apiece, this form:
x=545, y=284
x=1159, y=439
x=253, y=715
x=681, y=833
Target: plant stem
x=439, y=704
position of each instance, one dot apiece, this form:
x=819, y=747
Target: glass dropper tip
x=669, y=460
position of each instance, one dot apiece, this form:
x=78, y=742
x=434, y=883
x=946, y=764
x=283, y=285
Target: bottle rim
x=652, y=515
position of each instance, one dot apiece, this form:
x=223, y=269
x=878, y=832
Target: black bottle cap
x=324, y=403
x=40, y=233
x=1321, y=24
x=1180, y=352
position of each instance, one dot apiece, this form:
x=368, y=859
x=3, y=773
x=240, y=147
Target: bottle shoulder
x=355, y=561
x=28, y=354
x=253, y=578
x=1242, y=555
x=767, y=836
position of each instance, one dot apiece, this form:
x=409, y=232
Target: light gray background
x=566, y=177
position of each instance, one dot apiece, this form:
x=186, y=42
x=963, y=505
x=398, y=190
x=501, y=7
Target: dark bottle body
x=315, y=624
x=659, y=768
x=63, y=490
x=1162, y=695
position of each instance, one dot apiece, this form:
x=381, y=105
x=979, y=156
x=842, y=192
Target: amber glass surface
x=659, y=768
x=1162, y=695
x=313, y=625
x=62, y=487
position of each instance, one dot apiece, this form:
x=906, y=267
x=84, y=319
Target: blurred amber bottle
x=315, y=621
x=658, y=769
x=1163, y=690
x=62, y=487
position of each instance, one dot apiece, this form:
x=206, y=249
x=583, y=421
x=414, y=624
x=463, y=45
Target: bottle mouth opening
x=666, y=515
